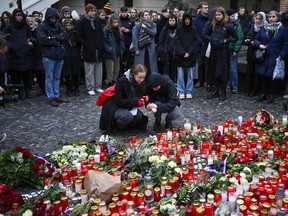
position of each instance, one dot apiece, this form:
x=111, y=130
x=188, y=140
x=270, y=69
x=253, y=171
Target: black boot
x=22, y=95
x=261, y=98
x=222, y=88
x=41, y=92
x=270, y=99
x=168, y=125
x=28, y=94
x=213, y=94
x=2, y=103
x=223, y=95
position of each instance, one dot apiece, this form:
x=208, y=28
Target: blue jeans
x=233, y=81
x=188, y=88
x=53, y=70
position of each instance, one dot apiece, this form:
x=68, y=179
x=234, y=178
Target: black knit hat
x=155, y=79
x=230, y=11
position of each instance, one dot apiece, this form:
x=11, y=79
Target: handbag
x=105, y=95
x=144, y=41
x=259, y=55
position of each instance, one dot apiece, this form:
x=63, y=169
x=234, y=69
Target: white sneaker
x=188, y=96
x=91, y=92
x=182, y=96
x=99, y=90
x=285, y=96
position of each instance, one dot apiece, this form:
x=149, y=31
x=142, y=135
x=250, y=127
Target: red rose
x=19, y=149
x=26, y=154
x=41, y=173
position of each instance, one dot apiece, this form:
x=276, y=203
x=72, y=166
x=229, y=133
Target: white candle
x=220, y=129
x=78, y=166
x=187, y=126
x=284, y=119
x=270, y=154
x=246, y=186
x=224, y=196
x=169, y=135
x=232, y=202
x=182, y=157
x=97, y=158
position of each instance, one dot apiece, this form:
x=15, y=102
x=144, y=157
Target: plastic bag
x=208, y=50
x=279, y=72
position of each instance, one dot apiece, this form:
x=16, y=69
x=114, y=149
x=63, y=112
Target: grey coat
x=151, y=30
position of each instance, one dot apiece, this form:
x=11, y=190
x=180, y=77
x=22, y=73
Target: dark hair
x=8, y=14
x=165, y=9
x=123, y=9
x=35, y=12
x=201, y=4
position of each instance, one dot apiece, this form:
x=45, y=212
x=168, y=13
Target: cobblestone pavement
x=36, y=125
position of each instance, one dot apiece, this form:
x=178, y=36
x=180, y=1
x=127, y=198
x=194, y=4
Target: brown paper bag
x=102, y=185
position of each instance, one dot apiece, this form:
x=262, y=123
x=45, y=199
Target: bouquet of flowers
x=69, y=154
x=16, y=168
x=8, y=196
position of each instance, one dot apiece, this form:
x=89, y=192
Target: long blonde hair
x=224, y=21
x=109, y=24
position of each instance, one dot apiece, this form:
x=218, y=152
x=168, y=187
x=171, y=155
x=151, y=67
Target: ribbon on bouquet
x=223, y=165
x=45, y=159
x=222, y=170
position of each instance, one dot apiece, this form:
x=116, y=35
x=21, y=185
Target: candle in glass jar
x=84, y=196
x=224, y=196
x=57, y=208
x=78, y=186
x=102, y=206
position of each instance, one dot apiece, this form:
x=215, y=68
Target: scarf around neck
x=91, y=19
x=273, y=27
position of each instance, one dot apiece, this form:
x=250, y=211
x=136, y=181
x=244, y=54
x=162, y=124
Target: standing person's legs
x=49, y=69
x=116, y=69
x=56, y=77
x=109, y=65
x=180, y=81
x=98, y=75
x=90, y=77
x=189, y=83
x=27, y=82
x=233, y=84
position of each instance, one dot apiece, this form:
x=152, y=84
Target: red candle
x=64, y=203
x=208, y=209
x=133, y=140
x=57, y=208
x=157, y=192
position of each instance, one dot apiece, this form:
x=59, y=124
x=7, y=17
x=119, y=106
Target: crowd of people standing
x=193, y=50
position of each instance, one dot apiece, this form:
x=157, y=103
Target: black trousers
x=22, y=77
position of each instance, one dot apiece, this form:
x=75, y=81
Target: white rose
x=27, y=213
x=172, y=164
x=243, y=181
x=247, y=169
x=233, y=180
x=243, y=175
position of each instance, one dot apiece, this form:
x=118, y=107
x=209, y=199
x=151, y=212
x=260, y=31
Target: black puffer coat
x=20, y=52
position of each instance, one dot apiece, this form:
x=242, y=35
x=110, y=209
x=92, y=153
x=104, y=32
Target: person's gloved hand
x=141, y=102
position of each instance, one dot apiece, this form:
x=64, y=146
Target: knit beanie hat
x=107, y=7
x=155, y=79
x=90, y=7
x=65, y=9
x=230, y=12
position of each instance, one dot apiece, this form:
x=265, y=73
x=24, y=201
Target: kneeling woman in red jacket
x=121, y=111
